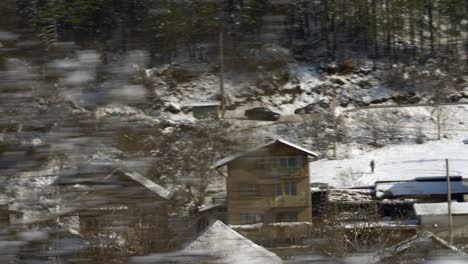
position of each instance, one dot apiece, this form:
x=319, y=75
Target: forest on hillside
x=391, y=30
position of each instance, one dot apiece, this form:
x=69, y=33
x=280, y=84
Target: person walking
x=372, y=166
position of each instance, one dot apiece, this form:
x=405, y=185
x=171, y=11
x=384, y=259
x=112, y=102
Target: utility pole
x=335, y=127
x=221, y=74
x=449, y=201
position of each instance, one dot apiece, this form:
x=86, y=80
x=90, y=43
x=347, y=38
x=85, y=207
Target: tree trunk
x=333, y=30
x=326, y=27
x=374, y=35
x=412, y=30
x=430, y=16
x=421, y=25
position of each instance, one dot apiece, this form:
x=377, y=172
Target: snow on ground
x=403, y=160
x=395, y=162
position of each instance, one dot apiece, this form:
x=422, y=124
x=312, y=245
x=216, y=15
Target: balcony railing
x=290, y=201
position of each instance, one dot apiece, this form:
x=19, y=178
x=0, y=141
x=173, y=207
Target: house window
x=286, y=217
x=248, y=189
x=285, y=166
x=286, y=188
x=249, y=218
x=277, y=167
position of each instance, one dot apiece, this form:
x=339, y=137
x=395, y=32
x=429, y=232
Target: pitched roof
x=205, y=104
x=226, y=160
x=152, y=186
x=440, y=209
x=147, y=183
x=231, y=247
x=418, y=241
x=5, y=199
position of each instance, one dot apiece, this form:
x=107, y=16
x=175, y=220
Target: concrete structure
x=268, y=184
x=206, y=110
x=435, y=215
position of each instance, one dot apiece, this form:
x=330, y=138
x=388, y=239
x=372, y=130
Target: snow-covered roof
x=226, y=160
x=230, y=246
x=210, y=207
x=152, y=186
x=407, y=224
x=5, y=199
x=205, y=104
x=147, y=183
x=416, y=242
x=412, y=188
x=350, y=196
x=440, y=209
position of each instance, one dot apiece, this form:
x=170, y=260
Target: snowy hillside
x=283, y=90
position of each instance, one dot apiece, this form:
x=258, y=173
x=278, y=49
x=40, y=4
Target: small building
x=354, y=204
x=434, y=216
x=210, y=110
x=5, y=212
x=346, y=204
x=117, y=212
x=268, y=184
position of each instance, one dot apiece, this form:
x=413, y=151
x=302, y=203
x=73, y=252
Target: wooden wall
x=244, y=171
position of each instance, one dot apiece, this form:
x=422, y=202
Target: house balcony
x=290, y=201
x=272, y=175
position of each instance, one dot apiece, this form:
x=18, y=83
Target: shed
x=206, y=110
x=435, y=215
x=129, y=204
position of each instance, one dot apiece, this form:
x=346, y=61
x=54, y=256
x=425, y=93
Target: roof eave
x=222, y=162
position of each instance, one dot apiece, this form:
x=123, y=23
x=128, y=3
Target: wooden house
x=119, y=213
x=268, y=184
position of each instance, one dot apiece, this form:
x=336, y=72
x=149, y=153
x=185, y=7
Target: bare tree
x=440, y=116
x=392, y=123
x=349, y=229
x=185, y=157
x=373, y=128
x=325, y=130
x=348, y=177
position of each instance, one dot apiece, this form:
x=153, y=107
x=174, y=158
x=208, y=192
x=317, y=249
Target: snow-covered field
x=395, y=162
x=401, y=161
